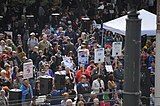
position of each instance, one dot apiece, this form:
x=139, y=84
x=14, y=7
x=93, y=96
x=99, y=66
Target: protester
x=119, y=76
x=116, y=101
x=3, y=99
x=69, y=102
x=98, y=87
x=27, y=92
x=66, y=97
x=80, y=99
x=51, y=39
x=111, y=85
x=32, y=42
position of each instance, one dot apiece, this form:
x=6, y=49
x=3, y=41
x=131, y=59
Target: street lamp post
x=157, y=65
x=132, y=56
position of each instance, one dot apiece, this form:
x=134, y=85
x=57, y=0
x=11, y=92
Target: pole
x=102, y=32
x=157, y=65
x=132, y=58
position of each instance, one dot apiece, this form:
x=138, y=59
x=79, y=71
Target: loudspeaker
x=15, y=97
x=45, y=85
x=59, y=81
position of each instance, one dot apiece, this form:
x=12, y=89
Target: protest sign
x=99, y=55
x=28, y=70
x=116, y=49
x=83, y=56
x=67, y=62
x=109, y=68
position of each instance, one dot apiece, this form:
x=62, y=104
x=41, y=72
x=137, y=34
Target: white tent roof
x=148, y=25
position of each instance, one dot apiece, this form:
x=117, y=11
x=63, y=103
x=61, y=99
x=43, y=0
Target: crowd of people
x=47, y=40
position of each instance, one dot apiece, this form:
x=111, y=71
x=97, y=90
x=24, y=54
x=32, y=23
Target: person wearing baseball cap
x=32, y=34
x=32, y=42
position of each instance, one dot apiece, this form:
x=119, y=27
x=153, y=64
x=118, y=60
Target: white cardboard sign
x=116, y=49
x=83, y=56
x=28, y=70
x=67, y=62
x=109, y=68
x=99, y=55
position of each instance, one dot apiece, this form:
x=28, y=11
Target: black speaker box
x=59, y=81
x=15, y=97
x=45, y=85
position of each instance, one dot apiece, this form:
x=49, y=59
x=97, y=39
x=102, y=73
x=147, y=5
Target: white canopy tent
x=148, y=25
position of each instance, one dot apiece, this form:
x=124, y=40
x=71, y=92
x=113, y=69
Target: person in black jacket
x=69, y=47
x=71, y=34
x=119, y=76
x=34, y=55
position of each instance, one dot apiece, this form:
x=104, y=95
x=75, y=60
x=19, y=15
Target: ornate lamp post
x=132, y=56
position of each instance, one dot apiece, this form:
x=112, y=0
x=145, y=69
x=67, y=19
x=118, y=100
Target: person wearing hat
x=32, y=42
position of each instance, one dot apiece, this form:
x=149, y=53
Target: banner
x=116, y=49
x=83, y=56
x=28, y=70
x=99, y=55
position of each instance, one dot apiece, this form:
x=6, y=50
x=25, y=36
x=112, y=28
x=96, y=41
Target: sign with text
x=109, y=68
x=99, y=55
x=116, y=49
x=28, y=70
x=83, y=56
x=68, y=62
